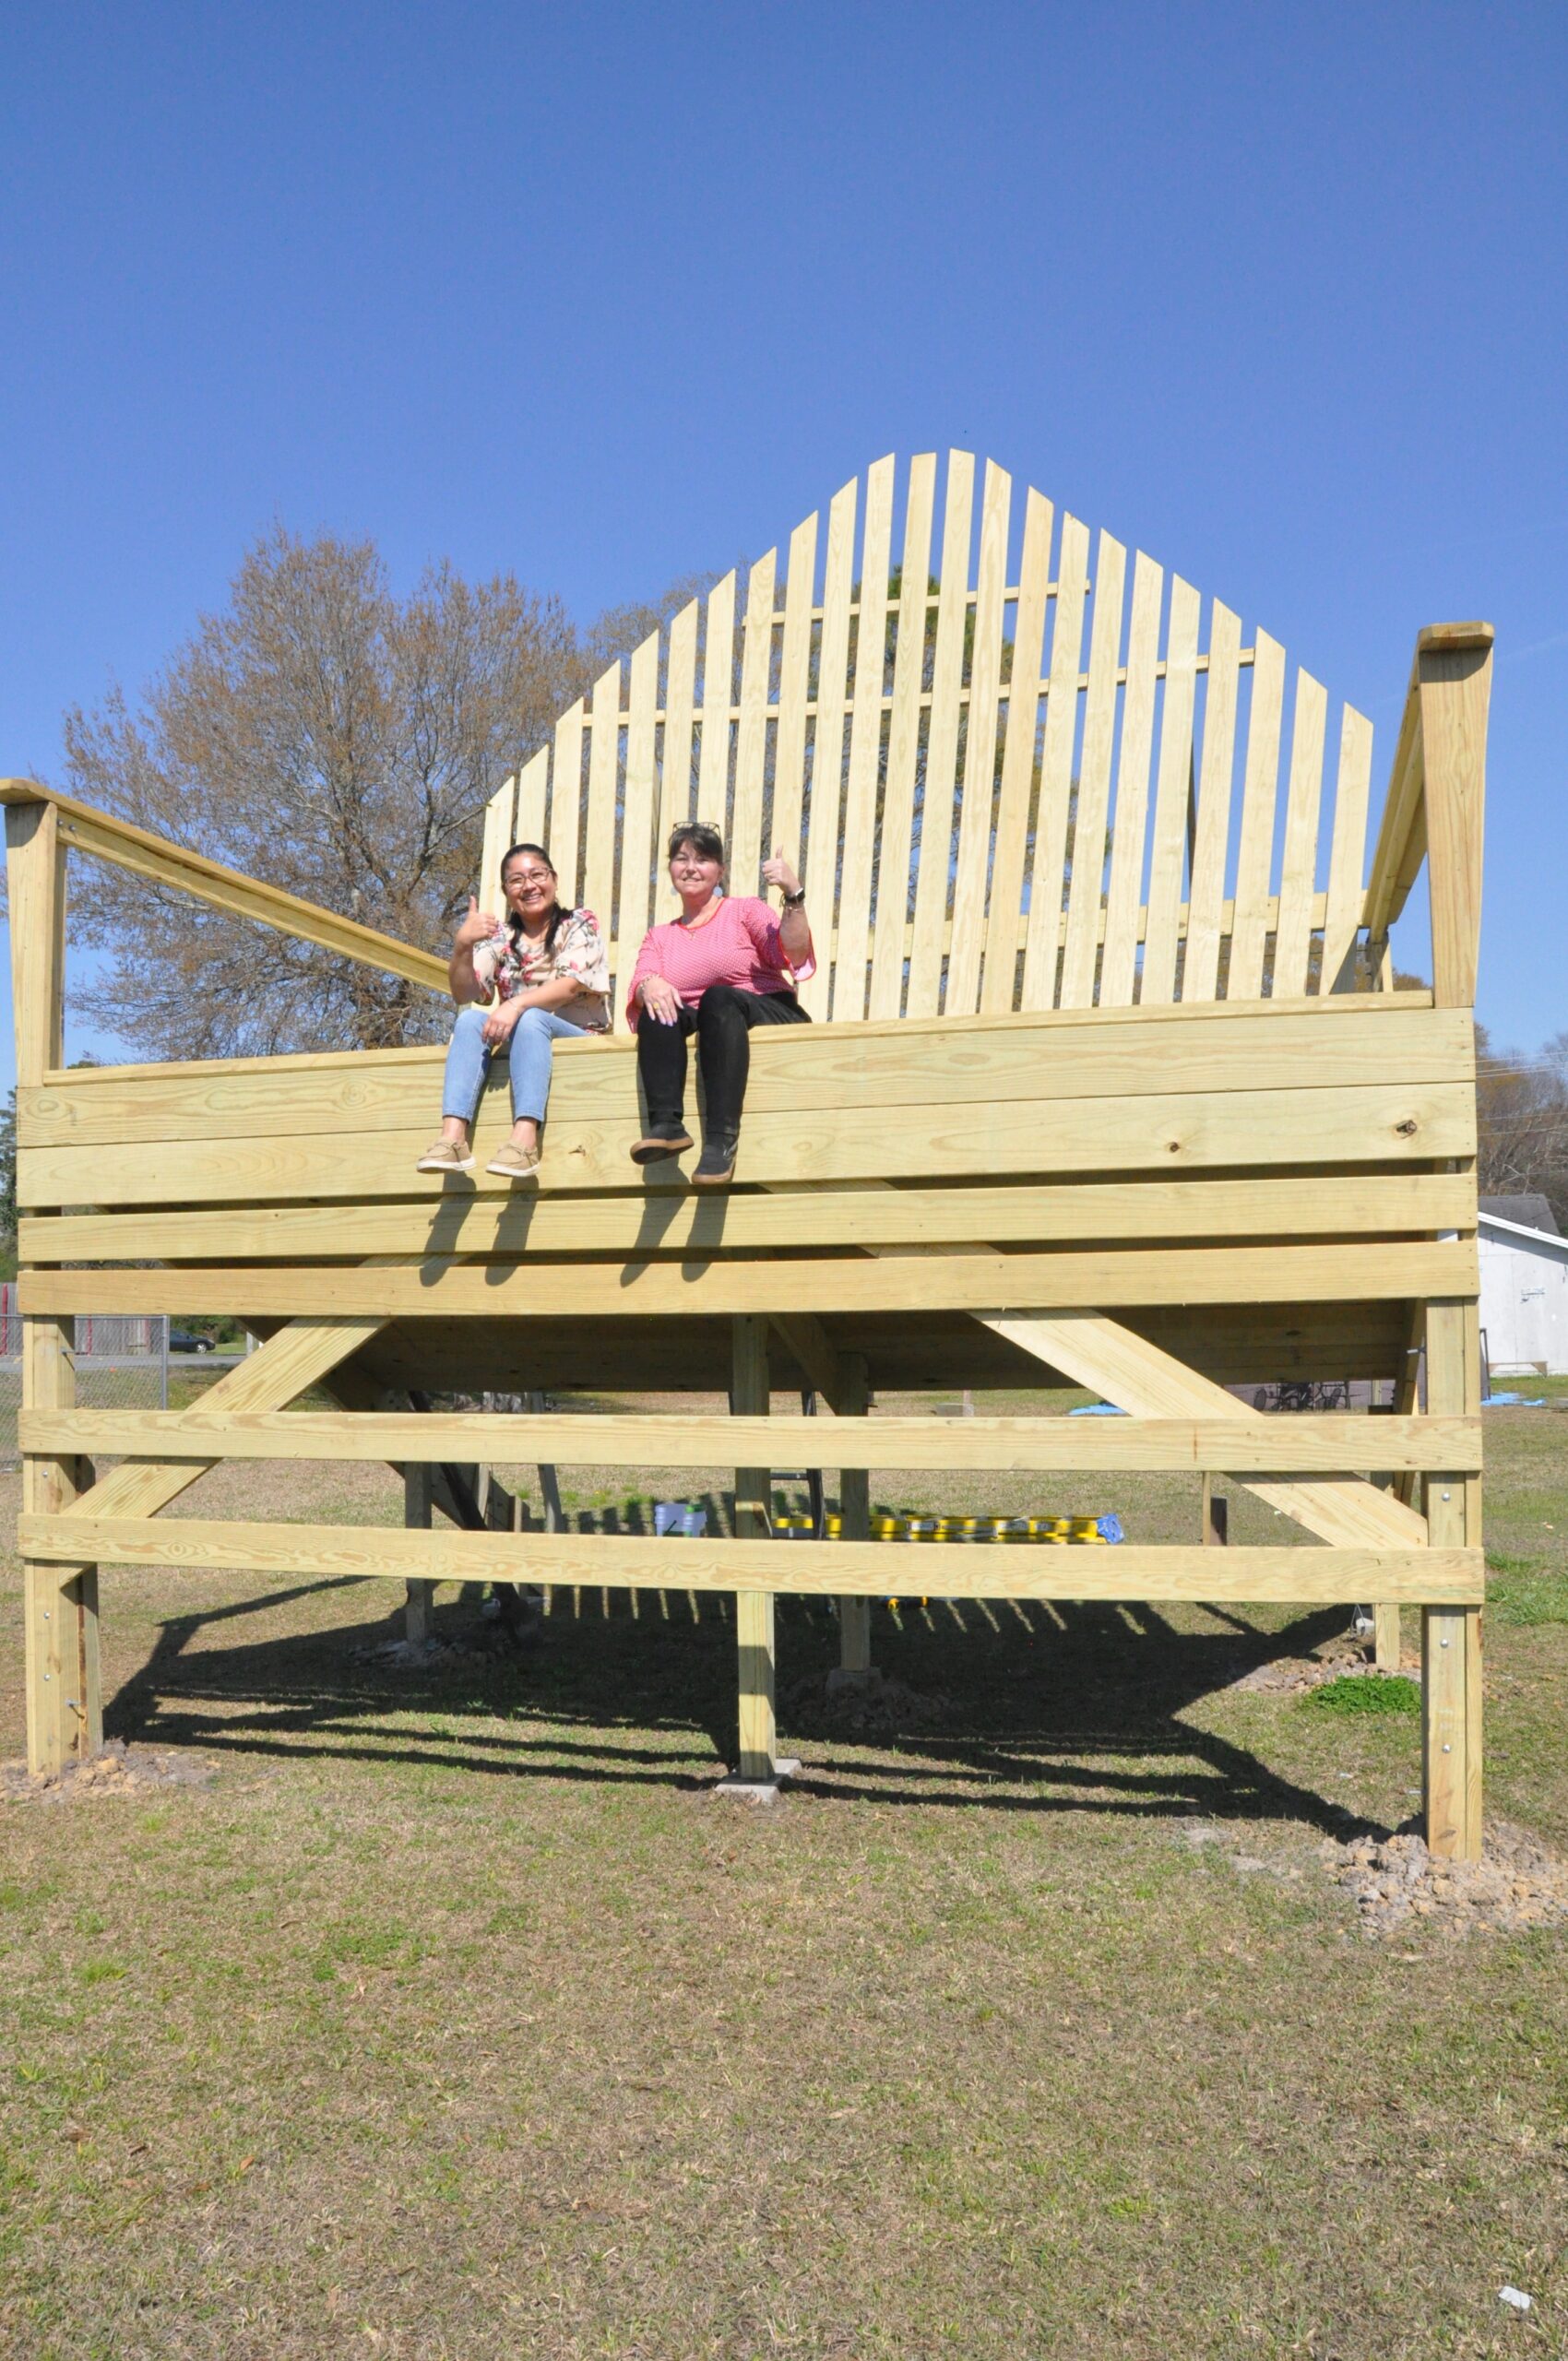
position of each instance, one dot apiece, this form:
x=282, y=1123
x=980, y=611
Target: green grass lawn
x=454, y=2019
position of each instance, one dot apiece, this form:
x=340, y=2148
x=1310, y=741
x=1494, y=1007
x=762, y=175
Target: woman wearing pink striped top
x=723, y=965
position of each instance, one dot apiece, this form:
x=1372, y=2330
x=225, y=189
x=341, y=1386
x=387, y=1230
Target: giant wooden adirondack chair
x=1110, y=1082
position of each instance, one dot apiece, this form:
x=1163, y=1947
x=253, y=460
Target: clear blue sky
x=604, y=294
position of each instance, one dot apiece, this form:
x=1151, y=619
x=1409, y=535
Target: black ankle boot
x=717, y=1163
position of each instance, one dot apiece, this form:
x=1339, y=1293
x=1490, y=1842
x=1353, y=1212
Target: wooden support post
x=1451, y=1636
x=753, y=1609
x=1216, y=1516
x=1454, y=682
x=854, y=1504
x=65, y=1713
x=418, y=1506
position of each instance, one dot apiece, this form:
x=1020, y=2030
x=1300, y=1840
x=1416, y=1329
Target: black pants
x=722, y=1023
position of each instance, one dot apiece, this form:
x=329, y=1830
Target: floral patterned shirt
x=511, y=963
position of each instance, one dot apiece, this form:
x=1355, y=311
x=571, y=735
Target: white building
x=1524, y=1297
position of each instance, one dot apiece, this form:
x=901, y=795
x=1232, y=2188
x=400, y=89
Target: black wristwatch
x=793, y=901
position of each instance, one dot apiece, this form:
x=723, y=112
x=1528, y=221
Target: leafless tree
x=324, y=735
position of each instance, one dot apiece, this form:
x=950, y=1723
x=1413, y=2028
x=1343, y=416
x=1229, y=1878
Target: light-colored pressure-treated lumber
x=1234, y=1442
x=1342, y=1206
x=751, y=737
x=1175, y=1133
x=955, y=1282
x=638, y=853
x=145, y=855
x=1346, y=894
x=566, y=802
x=1200, y=967
x=793, y=1071
x=1260, y=790
x=1298, y=862
x=820, y=876
x=850, y=967
x=64, y=1721
x=1172, y=793
x=903, y=744
x=1301, y=1575
x=675, y=773
x=600, y=830
x=934, y=861
x=1117, y=970
x=999, y=982
x=1451, y=1638
x=754, y=1608
x=1049, y=866
x=269, y=1379
x=1140, y=1378
x=1085, y=907
x=794, y=666
x=961, y=992
x=1453, y=675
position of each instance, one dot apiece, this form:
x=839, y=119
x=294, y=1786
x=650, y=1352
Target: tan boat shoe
x=513, y=1163
x=445, y=1156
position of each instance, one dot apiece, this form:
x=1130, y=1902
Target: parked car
x=184, y=1340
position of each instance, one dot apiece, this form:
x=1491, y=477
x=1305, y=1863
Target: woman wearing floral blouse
x=537, y=977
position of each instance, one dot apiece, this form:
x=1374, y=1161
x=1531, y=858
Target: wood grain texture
x=1298, y=870
x=1342, y=917
x=566, y=802
x=895, y=836
x=853, y=953
x=1326, y=1443
x=999, y=982
x=1168, y=850
x=675, y=783
x=794, y=670
x=717, y=688
x=1254, y=858
x=1085, y=905
x=751, y=735
x=1124, y=894
x=961, y=992
x=1287, y=1575
x=1341, y=1206
x=1454, y=687
x=1048, y=869
x=1140, y=1378
x=820, y=876
x=1200, y=966
x=956, y=1281
x=934, y=853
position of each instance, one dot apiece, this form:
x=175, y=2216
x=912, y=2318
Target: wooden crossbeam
x=534, y=1290
x=1137, y=1376
x=1289, y=1575
x=277, y=1374
x=145, y=855
x=1238, y=1440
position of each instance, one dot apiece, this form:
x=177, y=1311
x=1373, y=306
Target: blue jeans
x=532, y=1051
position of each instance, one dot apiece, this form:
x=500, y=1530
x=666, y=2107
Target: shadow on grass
x=1075, y=1708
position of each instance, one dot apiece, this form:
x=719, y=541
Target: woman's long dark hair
x=559, y=913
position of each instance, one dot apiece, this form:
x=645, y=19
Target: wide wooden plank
x=820, y=1069
x=718, y=694
x=934, y=858
x=1173, y=793
x=1345, y=894
x=1281, y=1445
x=566, y=803
x=897, y=831
x=1328, y=1205
x=1254, y=855
x=675, y=784
x=1377, y=1123
x=824, y=805
x=1086, y=910
x=961, y=990
x=1200, y=965
x=955, y=1569
x=604, y=768
x=794, y=669
x=999, y=982
x=1298, y=873
x=634, y=903
x=537, y=1289
x=1118, y=968
x=498, y=817
x=1048, y=869
x=853, y=951
x=533, y=789
x=751, y=735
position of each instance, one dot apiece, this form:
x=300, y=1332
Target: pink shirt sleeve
x=756, y=917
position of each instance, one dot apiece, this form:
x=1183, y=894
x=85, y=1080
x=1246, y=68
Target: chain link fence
x=122, y=1364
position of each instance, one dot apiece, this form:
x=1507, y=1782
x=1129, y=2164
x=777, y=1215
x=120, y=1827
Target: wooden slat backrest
x=1061, y=789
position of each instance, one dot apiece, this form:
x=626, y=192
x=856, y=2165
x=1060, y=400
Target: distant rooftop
x=1532, y=1211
